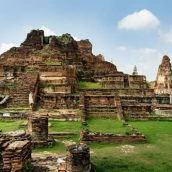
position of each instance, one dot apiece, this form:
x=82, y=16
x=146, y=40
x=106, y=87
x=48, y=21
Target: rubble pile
x=15, y=151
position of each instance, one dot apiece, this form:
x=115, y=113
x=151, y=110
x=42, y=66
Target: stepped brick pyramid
x=50, y=68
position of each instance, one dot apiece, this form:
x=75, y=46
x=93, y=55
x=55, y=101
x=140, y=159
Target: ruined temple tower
x=163, y=83
x=135, y=72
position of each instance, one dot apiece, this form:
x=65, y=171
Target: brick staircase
x=117, y=100
x=23, y=85
x=97, y=109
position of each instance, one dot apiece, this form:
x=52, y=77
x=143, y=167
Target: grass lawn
x=103, y=125
x=61, y=126
x=83, y=84
x=58, y=148
x=11, y=125
x=55, y=125
x=64, y=126
x=154, y=156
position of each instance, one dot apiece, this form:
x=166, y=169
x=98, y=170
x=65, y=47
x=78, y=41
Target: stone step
x=103, y=114
x=101, y=110
x=101, y=106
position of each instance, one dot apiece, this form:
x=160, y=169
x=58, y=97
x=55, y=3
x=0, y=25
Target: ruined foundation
x=87, y=137
x=78, y=158
x=15, y=151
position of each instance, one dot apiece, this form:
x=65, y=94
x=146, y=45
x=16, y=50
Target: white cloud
x=166, y=36
x=6, y=46
x=141, y=20
x=47, y=31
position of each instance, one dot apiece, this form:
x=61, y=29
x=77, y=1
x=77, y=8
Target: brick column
x=38, y=129
x=78, y=158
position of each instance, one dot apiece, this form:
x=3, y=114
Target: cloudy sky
x=126, y=32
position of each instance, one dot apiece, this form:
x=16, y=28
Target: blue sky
x=126, y=32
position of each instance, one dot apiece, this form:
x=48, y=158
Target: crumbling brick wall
x=59, y=101
x=109, y=137
x=15, y=151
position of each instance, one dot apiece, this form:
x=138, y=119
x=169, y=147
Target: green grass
x=11, y=125
x=55, y=148
x=64, y=126
x=154, y=130
x=83, y=84
x=75, y=138
x=103, y=125
x=154, y=156
x=50, y=62
x=55, y=125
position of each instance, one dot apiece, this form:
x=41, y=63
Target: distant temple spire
x=111, y=60
x=135, y=70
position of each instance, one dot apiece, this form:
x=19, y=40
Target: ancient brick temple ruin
x=42, y=76
x=163, y=83
x=49, y=68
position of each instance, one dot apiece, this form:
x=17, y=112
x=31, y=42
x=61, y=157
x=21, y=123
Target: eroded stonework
x=49, y=68
x=78, y=159
x=163, y=83
x=43, y=76
x=15, y=151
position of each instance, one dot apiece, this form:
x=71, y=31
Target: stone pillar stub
x=38, y=128
x=78, y=158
